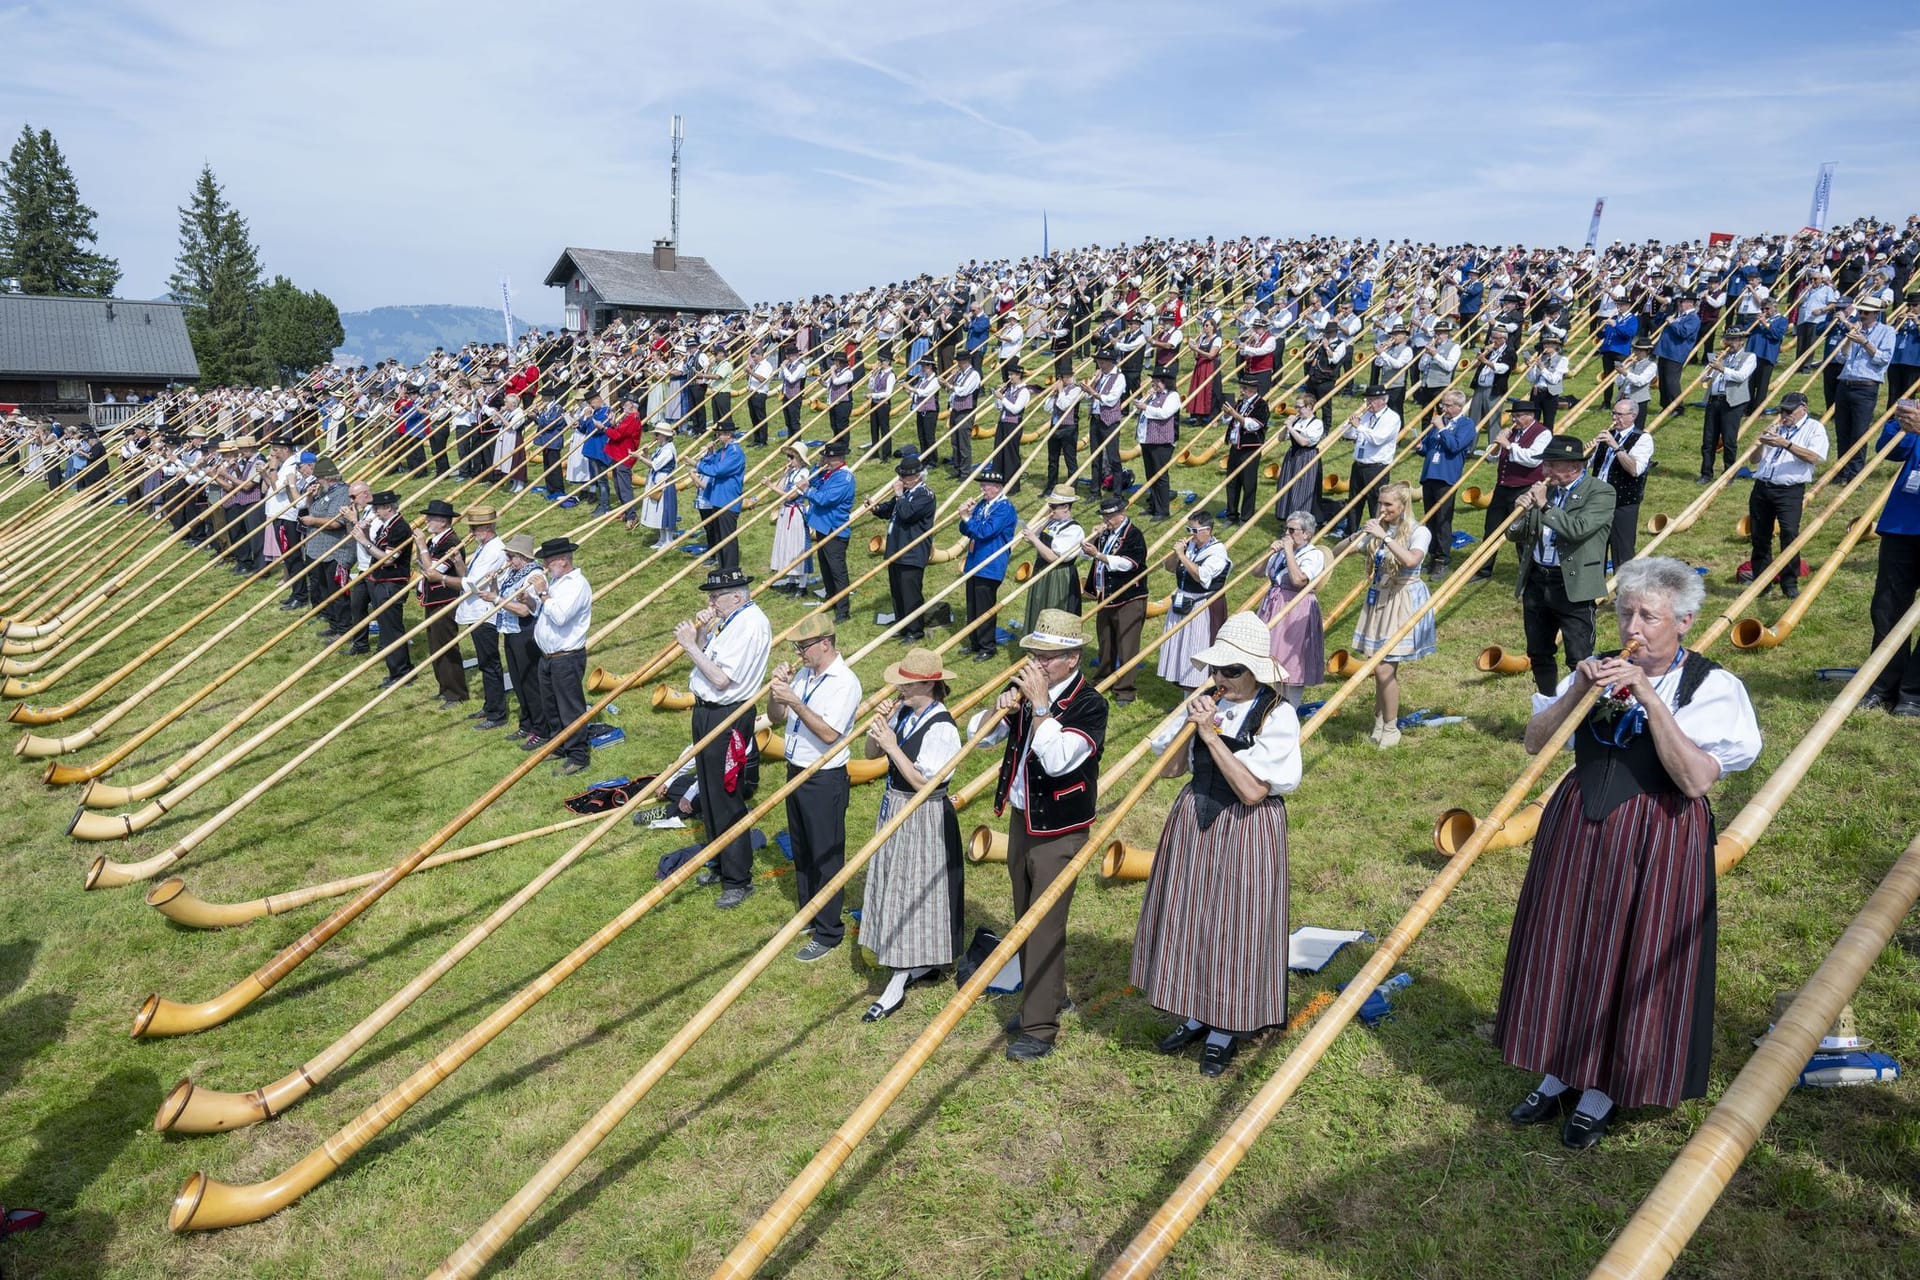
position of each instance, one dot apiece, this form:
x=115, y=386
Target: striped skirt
x=1176, y=655
x=1610, y=965
x=911, y=913
x=1212, y=939
x=1402, y=596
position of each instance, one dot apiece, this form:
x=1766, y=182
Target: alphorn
x=1751, y=633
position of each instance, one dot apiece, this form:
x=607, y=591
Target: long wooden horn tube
x=1751, y=633
x=1660, y=1228
x=1738, y=837
x=172, y=899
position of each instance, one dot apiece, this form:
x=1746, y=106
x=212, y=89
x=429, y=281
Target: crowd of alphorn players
x=1258, y=341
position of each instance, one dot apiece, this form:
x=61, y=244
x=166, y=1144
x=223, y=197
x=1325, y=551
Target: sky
x=404, y=152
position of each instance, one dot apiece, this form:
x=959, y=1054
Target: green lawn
x=1394, y=1160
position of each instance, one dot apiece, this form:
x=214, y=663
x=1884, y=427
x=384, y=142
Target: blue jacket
x=1765, y=339
x=1902, y=512
x=1362, y=297
x=552, y=430
x=1617, y=334
x=917, y=352
x=1446, y=448
x=830, y=503
x=1677, y=339
x=1471, y=294
x=593, y=426
x=1906, y=344
x=991, y=527
x=720, y=478
x=978, y=328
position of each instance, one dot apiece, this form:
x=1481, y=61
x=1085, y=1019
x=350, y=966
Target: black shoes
x=391, y=681
x=1907, y=708
x=1790, y=588
x=731, y=898
x=1215, y=1057
x=1180, y=1037
x=1540, y=1108
x=491, y=722
x=1875, y=701
x=1028, y=1049
x=1583, y=1132
x=568, y=769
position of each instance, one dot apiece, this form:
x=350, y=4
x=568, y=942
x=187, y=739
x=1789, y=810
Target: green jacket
x=1580, y=530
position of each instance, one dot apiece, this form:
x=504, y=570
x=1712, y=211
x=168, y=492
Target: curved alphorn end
x=1126, y=862
x=986, y=845
x=89, y=825
x=24, y=714
x=65, y=775
x=172, y=899
x=1451, y=830
x=1751, y=633
x=189, y=1109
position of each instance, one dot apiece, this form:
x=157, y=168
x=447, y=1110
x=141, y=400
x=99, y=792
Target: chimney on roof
x=663, y=255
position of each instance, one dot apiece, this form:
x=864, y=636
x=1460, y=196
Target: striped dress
x=1609, y=978
x=911, y=911
x=1212, y=938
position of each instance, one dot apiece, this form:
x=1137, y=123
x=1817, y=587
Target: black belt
x=1859, y=382
x=1783, y=484
x=562, y=653
x=718, y=706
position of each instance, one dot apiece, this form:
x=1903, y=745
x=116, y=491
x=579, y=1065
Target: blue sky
x=402, y=152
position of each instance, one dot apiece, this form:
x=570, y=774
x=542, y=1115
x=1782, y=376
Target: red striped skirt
x=1212, y=939
x=1610, y=965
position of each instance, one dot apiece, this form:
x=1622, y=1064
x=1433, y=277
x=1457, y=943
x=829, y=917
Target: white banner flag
x=506, y=307
x=1822, y=194
x=1593, y=228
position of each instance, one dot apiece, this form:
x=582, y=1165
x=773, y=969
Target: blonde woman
x=1395, y=546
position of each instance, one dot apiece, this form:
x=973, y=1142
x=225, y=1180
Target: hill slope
x=409, y=333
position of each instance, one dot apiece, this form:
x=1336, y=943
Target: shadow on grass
x=584, y=1196
x=16, y=962
x=418, y=933
x=27, y=1027
x=72, y=1149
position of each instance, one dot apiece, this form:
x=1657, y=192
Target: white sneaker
x=1389, y=736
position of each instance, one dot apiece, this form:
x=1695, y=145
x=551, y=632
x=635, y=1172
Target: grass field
x=1393, y=1160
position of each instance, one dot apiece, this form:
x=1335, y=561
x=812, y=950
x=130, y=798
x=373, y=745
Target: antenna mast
x=678, y=134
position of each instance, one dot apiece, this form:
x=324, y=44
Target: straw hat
x=919, y=665
x=483, y=515
x=799, y=451
x=1243, y=641
x=1061, y=498
x=1054, y=631
x=1842, y=1035
x=520, y=544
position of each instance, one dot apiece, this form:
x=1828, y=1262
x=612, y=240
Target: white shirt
x=1374, y=435
x=940, y=744
x=486, y=563
x=1548, y=372
x=1014, y=398
x=1064, y=539
x=1311, y=559
x=1634, y=380
x=1063, y=401
x=834, y=696
x=967, y=383
x=739, y=646
x=1778, y=466
x=280, y=495
x=1641, y=452
x=1438, y=362
x=1057, y=750
x=1274, y=755
x=565, y=615
x=1719, y=720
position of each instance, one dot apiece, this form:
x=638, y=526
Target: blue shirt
x=1446, y=448
x=593, y=425
x=1617, y=334
x=1902, y=512
x=977, y=330
x=721, y=474
x=1677, y=339
x=1869, y=365
x=830, y=503
x=916, y=352
x=1765, y=339
x=991, y=528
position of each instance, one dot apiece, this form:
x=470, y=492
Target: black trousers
x=1439, y=521
x=1547, y=405
x=1803, y=335
x=1322, y=390
x=1896, y=580
x=1853, y=417
x=1104, y=442
x=1358, y=477
x=1901, y=379
x=1624, y=537
x=1769, y=505
x=817, y=825
x=790, y=415
x=832, y=554
x=523, y=669
x=1548, y=615
x=322, y=582
x=720, y=808
x=880, y=428
x=1719, y=429
x=840, y=418
x=359, y=606
x=246, y=538
x=1157, y=459
x=904, y=585
x=1670, y=371
x=1758, y=386
x=1499, y=507
x=926, y=425
x=387, y=603
x=552, y=478
x=1243, y=485
x=1063, y=457
x=561, y=679
x=1006, y=450
x=1609, y=361
x=1424, y=396
x=757, y=417
x=983, y=595
x=493, y=688
x=293, y=561
x=722, y=407
x=720, y=539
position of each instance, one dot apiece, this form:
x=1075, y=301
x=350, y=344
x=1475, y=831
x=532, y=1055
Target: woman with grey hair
x=1608, y=990
x=1298, y=642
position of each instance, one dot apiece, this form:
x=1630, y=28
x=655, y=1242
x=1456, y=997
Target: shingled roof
x=52, y=337
x=623, y=279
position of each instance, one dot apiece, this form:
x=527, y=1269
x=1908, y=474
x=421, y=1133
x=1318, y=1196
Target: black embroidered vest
x=1211, y=790
x=1609, y=775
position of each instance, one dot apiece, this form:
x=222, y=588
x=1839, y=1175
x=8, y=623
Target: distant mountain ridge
x=408, y=334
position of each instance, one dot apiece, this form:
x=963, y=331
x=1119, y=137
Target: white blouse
x=940, y=744
x=1274, y=755
x=1312, y=561
x=1720, y=718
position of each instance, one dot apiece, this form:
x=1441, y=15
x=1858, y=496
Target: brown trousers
x=449, y=667
x=1117, y=632
x=1033, y=863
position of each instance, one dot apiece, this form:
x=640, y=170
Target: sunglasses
x=1233, y=672
x=801, y=646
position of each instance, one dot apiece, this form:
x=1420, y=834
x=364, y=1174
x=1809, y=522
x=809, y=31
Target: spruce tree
x=45, y=230
x=298, y=330
x=216, y=278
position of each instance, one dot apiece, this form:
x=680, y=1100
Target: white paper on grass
x=1309, y=948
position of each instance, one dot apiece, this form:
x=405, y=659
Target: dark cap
x=561, y=546
x=1111, y=503
x=725, y=580
x=1793, y=400
x=1564, y=449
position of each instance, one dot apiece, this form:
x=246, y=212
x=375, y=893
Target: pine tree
x=216, y=278
x=44, y=228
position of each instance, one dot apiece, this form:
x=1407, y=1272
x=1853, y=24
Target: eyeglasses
x=801, y=646
x=1233, y=672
